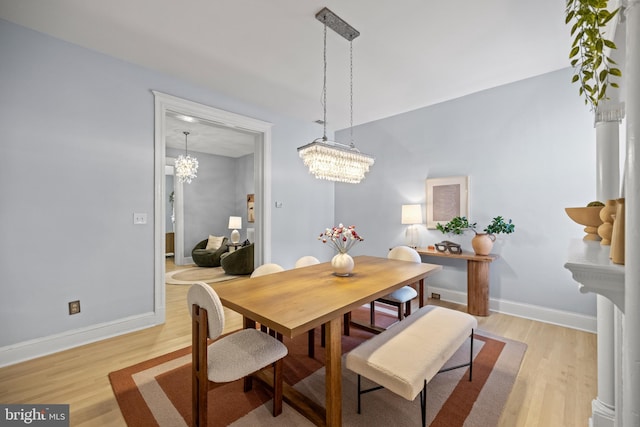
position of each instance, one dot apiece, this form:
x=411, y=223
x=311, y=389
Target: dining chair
x=266, y=269
x=403, y=296
x=306, y=261
x=229, y=358
x=263, y=270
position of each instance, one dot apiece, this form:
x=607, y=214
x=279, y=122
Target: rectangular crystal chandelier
x=335, y=162
x=332, y=160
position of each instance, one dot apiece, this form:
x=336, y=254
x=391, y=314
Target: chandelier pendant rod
x=332, y=160
x=351, y=93
x=324, y=86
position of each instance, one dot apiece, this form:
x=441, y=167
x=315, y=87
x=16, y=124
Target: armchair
x=208, y=257
x=239, y=261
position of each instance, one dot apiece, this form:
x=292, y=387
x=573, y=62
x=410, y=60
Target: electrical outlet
x=139, y=218
x=435, y=296
x=74, y=307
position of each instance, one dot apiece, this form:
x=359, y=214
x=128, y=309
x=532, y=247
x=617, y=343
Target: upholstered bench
x=405, y=357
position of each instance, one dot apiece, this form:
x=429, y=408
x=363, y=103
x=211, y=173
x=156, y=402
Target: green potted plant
x=481, y=242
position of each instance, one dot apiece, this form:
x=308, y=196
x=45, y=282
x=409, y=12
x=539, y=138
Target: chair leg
x=277, y=388
x=399, y=311
x=199, y=378
x=372, y=313
x=407, y=308
x=347, y=323
x=323, y=335
x=248, y=383
x=311, y=338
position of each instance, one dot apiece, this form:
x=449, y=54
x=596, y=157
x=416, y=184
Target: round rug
x=197, y=274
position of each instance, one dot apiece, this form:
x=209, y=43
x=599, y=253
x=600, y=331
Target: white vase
x=342, y=264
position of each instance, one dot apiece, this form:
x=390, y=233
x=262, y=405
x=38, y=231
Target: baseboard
x=527, y=311
x=39, y=347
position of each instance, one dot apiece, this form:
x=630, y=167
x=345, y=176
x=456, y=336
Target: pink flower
x=341, y=238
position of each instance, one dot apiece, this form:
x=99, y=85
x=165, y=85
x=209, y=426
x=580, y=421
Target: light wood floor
x=555, y=386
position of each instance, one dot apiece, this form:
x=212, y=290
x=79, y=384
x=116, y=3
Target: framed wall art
x=251, y=217
x=446, y=198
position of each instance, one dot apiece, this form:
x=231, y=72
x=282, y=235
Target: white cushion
x=241, y=353
x=238, y=354
x=404, y=253
x=412, y=351
x=214, y=242
x=266, y=269
x=406, y=293
x=402, y=295
x=306, y=261
x=204, y=296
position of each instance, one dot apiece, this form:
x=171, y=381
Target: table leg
x=478, y=288
x=333, y=372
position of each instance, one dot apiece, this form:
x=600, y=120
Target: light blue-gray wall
x=84, y=121
x=245, y=185
x=529, y=150
x=77, y=146
x=209, y=199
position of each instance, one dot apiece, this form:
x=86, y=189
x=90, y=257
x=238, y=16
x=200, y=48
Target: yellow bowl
x=589, y=217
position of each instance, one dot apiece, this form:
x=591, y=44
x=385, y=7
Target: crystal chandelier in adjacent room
x=332, y=160
x=186, y=166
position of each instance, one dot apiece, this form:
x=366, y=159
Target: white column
x=630, y=334
x=607, y=120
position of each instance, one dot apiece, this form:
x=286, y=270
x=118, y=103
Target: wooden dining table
x=292, y=302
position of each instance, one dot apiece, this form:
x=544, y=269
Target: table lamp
x=235, y=222
x=412, y=215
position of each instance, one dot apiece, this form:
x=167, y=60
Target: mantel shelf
x=591, y=267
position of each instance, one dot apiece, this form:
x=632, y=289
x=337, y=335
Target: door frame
x=262, y=179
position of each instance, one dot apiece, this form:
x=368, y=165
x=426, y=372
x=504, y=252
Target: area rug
x=197, y=274
x=157, y=392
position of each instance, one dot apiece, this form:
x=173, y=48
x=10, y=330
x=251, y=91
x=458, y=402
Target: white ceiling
x=410, y=54
x=207, y=137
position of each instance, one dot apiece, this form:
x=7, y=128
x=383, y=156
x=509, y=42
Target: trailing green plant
x=460, y=224
x=594, y=68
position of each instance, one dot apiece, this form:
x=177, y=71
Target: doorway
x=170, y=105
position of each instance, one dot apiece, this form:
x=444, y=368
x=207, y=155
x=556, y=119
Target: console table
x=477, y=278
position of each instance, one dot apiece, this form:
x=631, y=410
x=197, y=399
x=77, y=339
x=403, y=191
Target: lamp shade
x=411, y=214
x=235, y=222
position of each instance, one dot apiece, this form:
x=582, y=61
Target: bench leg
x=359, y=394
x=423, y=404
x=471, y=358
